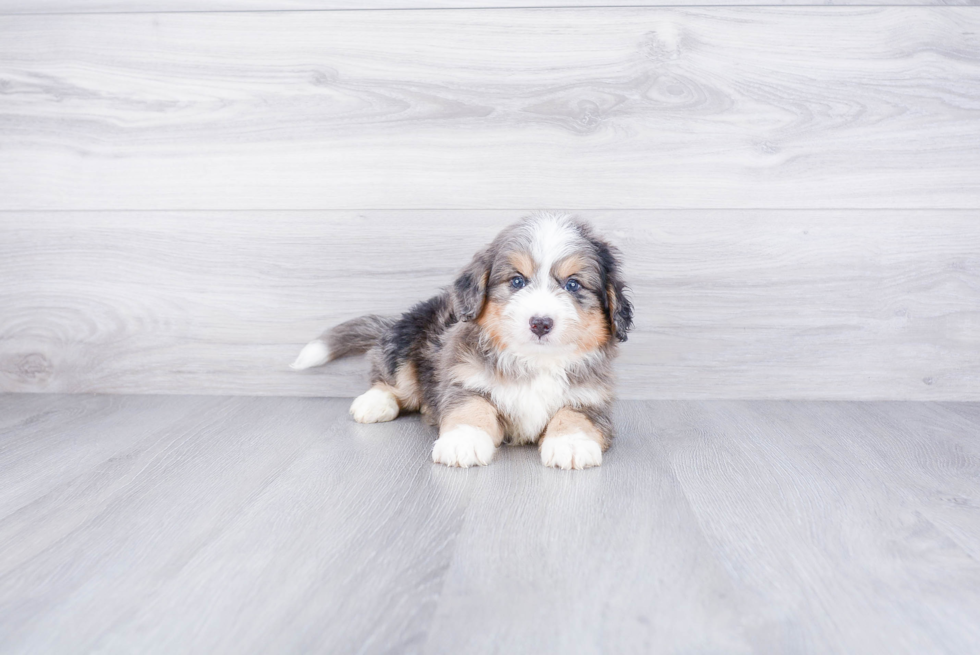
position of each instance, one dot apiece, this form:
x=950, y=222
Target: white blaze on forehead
x=553, y=237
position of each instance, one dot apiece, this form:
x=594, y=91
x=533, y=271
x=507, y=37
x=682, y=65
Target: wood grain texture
x=139, y=6
x=967, y=410
x=258, y=525
x=180, y=498
x=604, y=108
x=740, y=304
x=610, y=562
x=834, y=495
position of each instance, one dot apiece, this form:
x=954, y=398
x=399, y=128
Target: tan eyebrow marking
x=523, y=262
x=569, y=266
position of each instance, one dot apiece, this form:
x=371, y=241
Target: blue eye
x=572, y=286
x=517, y=282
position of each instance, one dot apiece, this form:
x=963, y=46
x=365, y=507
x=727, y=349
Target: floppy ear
x=619, y=309
x=469, y=291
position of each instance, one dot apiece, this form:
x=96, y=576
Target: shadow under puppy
x=518, y=350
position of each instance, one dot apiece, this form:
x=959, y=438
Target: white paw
x=463, y=446
x=575, y=450
x=313, y=354
x=374, y=406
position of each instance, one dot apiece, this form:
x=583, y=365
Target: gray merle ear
x=619, y=309
x=470, y=288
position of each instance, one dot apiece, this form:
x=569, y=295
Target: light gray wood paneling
x=138, y=6
x=734, y=304
x=615, y=108
x=277, y=525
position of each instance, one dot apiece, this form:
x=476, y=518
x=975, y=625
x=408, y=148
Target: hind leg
x=376, y=405
x=383, y=401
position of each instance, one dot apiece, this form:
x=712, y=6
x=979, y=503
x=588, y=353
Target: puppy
x=518, y=350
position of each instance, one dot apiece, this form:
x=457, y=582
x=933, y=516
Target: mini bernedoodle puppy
x=518, y=350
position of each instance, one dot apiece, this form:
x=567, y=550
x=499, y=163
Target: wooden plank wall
x=187, y=197
x=493, y=109
x=139, y=6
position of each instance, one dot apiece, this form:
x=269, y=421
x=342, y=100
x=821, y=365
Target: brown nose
x=541, y=325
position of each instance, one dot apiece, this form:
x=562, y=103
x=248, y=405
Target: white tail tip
x=315, y=353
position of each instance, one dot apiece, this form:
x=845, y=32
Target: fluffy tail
x=351, y=338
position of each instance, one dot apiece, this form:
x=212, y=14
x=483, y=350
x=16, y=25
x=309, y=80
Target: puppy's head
x=546, y=286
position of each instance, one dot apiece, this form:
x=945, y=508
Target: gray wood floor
x=275, y=525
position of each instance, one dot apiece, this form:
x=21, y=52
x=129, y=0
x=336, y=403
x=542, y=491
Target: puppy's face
x=544, y=296
x=546, y=287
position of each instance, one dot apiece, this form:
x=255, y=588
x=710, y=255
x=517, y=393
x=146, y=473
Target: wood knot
x=662, y=43
x=34, y=367
x=324, y=77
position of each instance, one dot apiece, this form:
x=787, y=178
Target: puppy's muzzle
x=541, y=325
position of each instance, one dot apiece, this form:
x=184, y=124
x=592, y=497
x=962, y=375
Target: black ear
x=470, y=288
x=619, y=309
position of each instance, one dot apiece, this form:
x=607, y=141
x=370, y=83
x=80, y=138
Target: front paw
x=574, y=450
x=464, y=446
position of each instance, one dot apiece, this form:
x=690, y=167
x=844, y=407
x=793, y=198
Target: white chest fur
x=527, y=404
